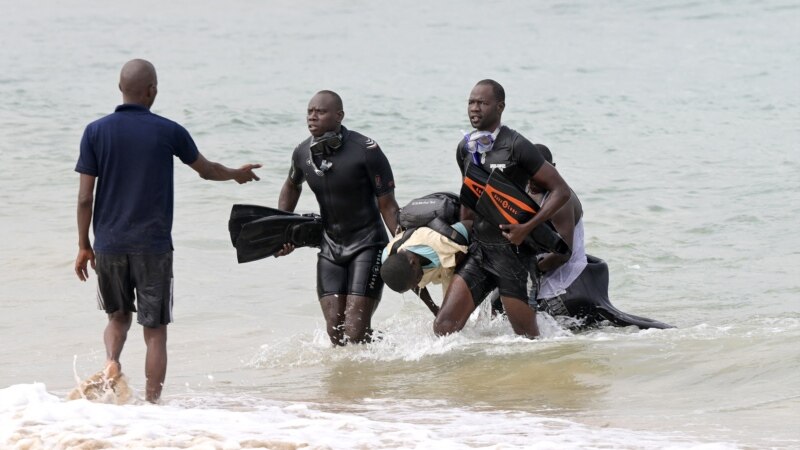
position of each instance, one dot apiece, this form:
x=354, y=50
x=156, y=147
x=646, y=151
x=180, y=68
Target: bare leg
x=358, y=317
x=155, y=365
x=114, y=336
x=521, y=316
x=456, y=308
x=333, y=308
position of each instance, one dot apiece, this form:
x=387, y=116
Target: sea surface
x=676, y=122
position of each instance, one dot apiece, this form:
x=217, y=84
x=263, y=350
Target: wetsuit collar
x=497, y=131
x=342, y=130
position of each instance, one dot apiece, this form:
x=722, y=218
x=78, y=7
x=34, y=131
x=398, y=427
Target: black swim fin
x=475, y=179
x=266, y=236
x=587, y=299
x=241, y=214
x=503, y=202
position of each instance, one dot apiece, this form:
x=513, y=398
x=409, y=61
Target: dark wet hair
x=397, y=272
x=336, y=98
x=497, y=89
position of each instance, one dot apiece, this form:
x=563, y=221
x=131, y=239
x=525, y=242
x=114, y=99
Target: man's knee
x=443, y=326
x=521, y=316
x=357, y=322
x=456, y=308
x=355, y=332
x=155, y=335
x=120, y=316
x=119, y=322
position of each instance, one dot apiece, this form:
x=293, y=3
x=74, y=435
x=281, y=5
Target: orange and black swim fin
x=503, y=202
x=475, y=179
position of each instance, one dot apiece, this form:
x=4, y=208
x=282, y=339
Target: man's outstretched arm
x=214, y=171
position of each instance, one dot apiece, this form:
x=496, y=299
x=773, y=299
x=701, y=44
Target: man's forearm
x=557, y=199
x=290, y=194
x=551, y=261
x=217, y=172
x=84, y=220
x=389, y=211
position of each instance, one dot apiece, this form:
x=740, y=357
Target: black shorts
x=490, y=266
x=150, y=276
x=360, y=275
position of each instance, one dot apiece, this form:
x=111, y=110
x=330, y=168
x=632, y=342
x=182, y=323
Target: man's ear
x=412, y=258
x=501, y=106
x=340, y=116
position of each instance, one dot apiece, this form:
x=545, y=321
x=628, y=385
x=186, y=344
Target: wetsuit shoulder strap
x=440, y=226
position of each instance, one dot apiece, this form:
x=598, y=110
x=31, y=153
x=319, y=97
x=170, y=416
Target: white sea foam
x=410, y=338
x=32, y=418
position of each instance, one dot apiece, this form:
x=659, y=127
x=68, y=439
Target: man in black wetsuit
x=354, y=186
x=496, y=258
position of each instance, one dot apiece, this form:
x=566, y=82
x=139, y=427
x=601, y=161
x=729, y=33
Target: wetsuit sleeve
x=528, y=156
x=296, y=174
x=184, y=146
x=87, y=161
x=379, y=170
x=460, y=156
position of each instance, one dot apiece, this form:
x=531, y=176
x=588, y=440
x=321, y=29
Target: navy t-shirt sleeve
x=378, y=168
x=184, y=146
x=87, y=160
x=528, y=156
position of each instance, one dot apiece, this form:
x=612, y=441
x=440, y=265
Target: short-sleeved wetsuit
x=350, y=256
x=492, y=261
x=131, y=153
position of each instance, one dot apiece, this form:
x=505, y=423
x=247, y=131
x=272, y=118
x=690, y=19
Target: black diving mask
x=326, y=144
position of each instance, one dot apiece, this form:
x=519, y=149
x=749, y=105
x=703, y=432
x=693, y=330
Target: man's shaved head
x=337, y=100
x=138, y=82
x=497, y=89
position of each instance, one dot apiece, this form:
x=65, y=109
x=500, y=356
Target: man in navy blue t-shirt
x=129, y=156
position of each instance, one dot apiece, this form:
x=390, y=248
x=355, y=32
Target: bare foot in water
x=113, y=370
x=106, y=386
